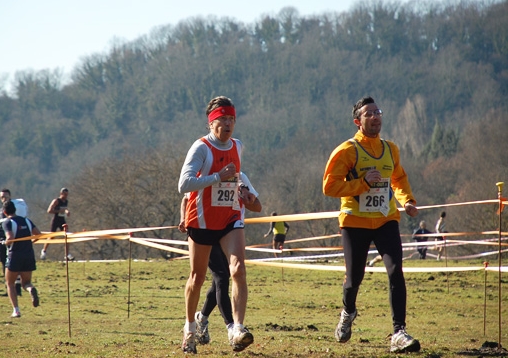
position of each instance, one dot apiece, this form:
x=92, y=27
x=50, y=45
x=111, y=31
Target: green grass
x=292, y=313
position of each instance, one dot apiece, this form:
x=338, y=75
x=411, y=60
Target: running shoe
x=202, y=335
x=403, y=343
x=240, y=339
x=16, y=314
x=43, y=255
x=189, y=342
x=343, y=330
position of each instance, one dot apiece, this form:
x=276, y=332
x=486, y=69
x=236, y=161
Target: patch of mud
x=488, y=349
x=276, y=327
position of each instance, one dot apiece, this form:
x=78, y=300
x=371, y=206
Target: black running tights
x=356, y=242
x=218, y=294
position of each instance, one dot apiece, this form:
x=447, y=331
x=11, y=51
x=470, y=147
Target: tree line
x=438, y=71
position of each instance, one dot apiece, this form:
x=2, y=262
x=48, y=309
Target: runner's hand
x=373, y=176
x=228, y=171
x=181, y=227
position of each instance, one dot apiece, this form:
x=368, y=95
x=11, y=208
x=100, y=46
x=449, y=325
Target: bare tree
x=135, y=191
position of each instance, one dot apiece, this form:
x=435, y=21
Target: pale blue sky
x=51, y=34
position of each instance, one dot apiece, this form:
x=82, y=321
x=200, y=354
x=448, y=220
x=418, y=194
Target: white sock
x=190, y=326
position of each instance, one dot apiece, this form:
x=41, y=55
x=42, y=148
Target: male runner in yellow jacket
x=365, y=172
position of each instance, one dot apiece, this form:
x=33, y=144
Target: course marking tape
x=375, y=269
x=159, y=246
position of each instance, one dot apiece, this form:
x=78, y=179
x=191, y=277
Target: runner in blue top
x=20, y=256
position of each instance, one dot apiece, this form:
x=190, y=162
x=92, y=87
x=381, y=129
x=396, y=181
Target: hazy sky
x=51, y=34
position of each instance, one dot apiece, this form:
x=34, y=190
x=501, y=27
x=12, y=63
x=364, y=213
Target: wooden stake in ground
x=282, y=258
x=500, y=197
x=485, y=264
x=129, y=289
x=446, y=265
x=65, y=227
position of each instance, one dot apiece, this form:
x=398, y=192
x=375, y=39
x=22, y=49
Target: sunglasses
x=376, y=112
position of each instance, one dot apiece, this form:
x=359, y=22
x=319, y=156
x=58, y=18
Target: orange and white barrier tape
x=293, y=217
x=159, y=246
x=168, y=241
x=300, y=240
x=164, y=244
x=375, y=269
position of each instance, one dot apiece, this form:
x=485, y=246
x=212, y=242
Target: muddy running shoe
x=343, y=330
x=240, y=338
x=35, y=297
x=202, y=335
x=403, y=343
x=189, y=342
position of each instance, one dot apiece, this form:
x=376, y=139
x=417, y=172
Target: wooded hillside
x=439, y=72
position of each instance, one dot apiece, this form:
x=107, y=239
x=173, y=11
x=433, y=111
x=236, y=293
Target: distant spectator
x=422, y=250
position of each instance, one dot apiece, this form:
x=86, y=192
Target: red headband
x=221, y=111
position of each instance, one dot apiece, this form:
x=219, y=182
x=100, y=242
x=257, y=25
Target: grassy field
x=291, y=312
